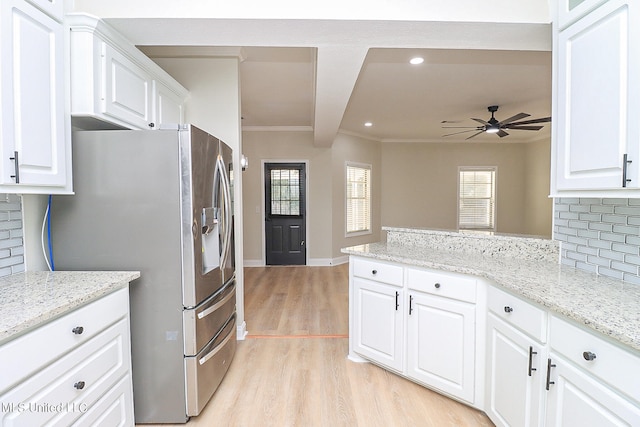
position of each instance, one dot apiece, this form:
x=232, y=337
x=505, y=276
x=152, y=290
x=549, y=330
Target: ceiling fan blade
x=523, y=127
x=462, y=127
x=480, y=121
x=462, y=131
x=514, y=118
x=502, y=133
x=475, y=134
x=530, y=122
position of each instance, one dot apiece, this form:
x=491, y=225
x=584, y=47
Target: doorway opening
x=285, y=213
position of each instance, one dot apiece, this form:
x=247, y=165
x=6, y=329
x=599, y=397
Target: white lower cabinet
x=85, y=378
x=418, y=323
x=575, y=398
x=515, y=367
x=590, y=381
x=519, y=362
x=378, y=316
x=441, y=343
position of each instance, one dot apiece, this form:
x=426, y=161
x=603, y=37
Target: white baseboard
x=311, y=262
x=241, y=331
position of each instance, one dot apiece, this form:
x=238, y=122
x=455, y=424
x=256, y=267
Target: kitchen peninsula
x=494, y=320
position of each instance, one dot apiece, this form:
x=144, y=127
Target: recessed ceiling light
x=368, y=124
x=417, y=60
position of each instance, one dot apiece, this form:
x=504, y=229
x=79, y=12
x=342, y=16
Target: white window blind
x=358, y=198
x=477, y=198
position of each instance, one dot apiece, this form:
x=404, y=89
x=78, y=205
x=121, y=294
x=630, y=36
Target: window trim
x=369, y=167
x=493, y=169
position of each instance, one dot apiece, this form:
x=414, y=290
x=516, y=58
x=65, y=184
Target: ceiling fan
x=499, y=127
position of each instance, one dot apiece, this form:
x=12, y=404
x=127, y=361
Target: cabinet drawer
x=378, y=271
x=519, y=313
x=444, y=284
x=610, y=363
x=63, y=391
x=24, y=354
x=114, y=409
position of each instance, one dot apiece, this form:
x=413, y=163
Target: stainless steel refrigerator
x=160, y=202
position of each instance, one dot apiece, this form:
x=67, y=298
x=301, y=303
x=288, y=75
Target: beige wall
x=325, y=201
x=538, y=204
x=353, y=149
x=419, y=184
x=288, y=146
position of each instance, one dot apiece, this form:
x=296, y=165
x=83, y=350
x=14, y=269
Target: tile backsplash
x=11, y=235
x=600, y=235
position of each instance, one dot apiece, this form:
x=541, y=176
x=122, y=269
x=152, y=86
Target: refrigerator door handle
x=227, y=224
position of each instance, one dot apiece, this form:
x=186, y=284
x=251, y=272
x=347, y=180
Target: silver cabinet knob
x=78, y=330
x=437, y=285
x=79, y=385
x=588, y=356
x=507, y=309
x=374, y=272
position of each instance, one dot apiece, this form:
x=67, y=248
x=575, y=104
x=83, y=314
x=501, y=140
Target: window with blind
x=358, y=200
x=477, y=198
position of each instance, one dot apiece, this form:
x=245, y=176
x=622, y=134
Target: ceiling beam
x=337, y=71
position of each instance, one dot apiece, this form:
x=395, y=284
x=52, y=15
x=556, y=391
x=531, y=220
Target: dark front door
x=285, y=214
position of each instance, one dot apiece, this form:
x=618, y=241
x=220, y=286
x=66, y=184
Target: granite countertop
x=28, y=300
x=609, y=306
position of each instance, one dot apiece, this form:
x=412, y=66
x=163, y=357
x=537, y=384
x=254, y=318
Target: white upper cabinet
x=597, y=102
x=127, y=89
x=35, y=145
x=168, y=105
x=53, y=8
x=570, y=11
x=114, y=85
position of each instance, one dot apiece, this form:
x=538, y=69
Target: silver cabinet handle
x=531, y=353
x=17, y=167
x=589, y=356
x=78, y=330
x=79, y=385
x=625, y=163
x=549, y=366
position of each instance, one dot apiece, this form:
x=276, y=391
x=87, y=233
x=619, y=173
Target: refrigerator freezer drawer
x=204, y=321
x=206, y=370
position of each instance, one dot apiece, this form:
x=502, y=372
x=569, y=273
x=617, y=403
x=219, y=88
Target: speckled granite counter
x=609, y=306
x=28, y=300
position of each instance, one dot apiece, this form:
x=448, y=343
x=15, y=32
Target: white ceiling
x=330, y=76
x=404, y=102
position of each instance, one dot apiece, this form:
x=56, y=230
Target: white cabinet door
x=441, y=344
x=169, y=107
x=570, y=11
x=378, y=320
x=577, y=399
x=128, y=89
x=34, y=145
x=598, y=100
x=515, y=371
x=53, y=8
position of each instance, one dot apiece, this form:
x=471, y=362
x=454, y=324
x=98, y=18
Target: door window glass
x=285, y=194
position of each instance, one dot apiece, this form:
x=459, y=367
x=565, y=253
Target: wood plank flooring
x=292, y=370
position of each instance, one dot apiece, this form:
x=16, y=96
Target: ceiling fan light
x=492, y=129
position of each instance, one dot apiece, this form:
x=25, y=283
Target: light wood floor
x=292, y=370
